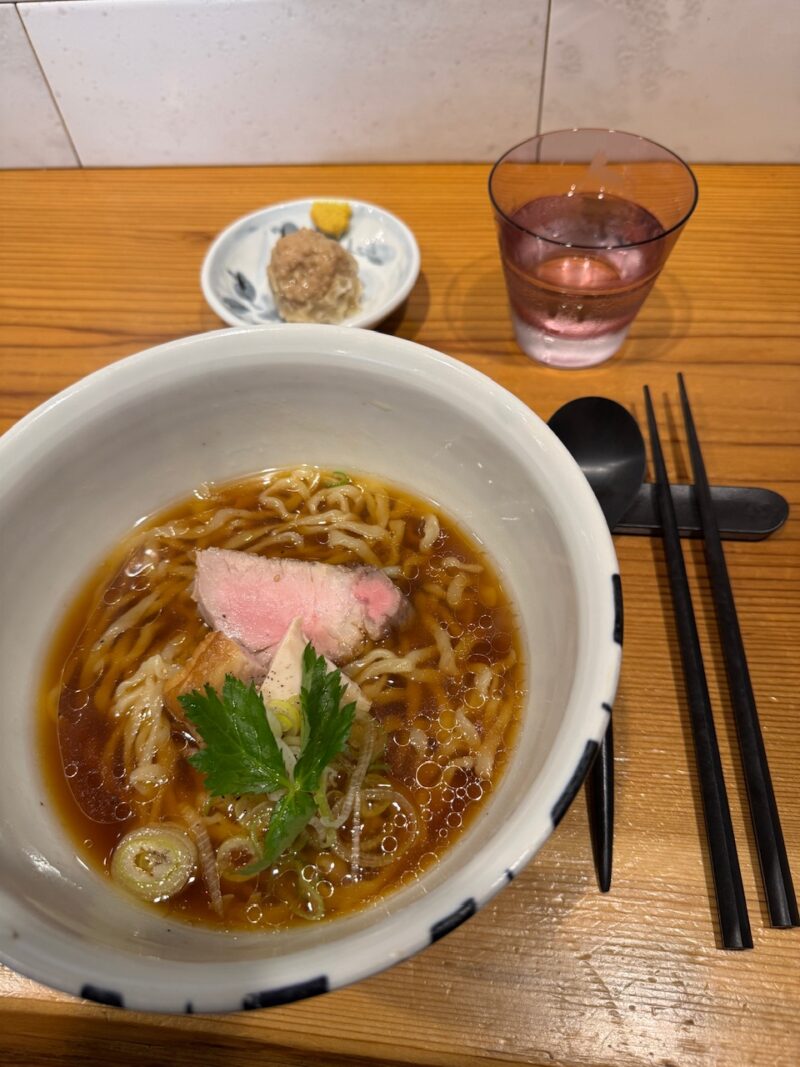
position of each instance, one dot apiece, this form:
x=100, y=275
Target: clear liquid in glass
x=573, y=290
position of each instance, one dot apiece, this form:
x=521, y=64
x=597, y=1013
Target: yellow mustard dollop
x=331, y=217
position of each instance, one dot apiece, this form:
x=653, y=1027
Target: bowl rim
x=99, y=973
x=363, y=321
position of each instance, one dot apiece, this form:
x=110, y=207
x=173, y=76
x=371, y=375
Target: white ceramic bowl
x=75, y=475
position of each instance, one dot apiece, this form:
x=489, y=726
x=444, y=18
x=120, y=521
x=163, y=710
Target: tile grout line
x=59, y=112
x=545, y=47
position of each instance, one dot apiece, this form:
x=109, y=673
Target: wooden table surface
x=100, y=264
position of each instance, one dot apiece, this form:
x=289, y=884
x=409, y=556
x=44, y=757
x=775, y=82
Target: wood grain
x=99, y=264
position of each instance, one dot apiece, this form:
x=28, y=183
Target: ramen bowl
x=77, y=473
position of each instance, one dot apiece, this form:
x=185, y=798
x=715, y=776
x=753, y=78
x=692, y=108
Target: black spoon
x=606, y=443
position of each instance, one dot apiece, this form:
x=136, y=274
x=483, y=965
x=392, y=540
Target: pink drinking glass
x=585, y=221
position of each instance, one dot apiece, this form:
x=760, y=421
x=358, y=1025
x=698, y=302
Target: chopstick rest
x=743, y=513
x=731, y=905
x=774, y=863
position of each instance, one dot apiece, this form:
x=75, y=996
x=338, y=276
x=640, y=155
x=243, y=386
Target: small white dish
x=234, y=273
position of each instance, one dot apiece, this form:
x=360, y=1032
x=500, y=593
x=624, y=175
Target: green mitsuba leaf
x=241, y=755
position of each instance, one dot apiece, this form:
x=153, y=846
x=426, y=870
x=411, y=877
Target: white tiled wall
x=141, y=82
x=260, y=81
x=31, y=132
x=711, y=79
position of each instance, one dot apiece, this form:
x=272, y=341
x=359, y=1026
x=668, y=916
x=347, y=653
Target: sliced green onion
x=233, y=855
x=256, y=820
x=154, y=862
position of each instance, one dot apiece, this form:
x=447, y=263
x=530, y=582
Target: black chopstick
x=731, y=905
x=775, y=873
x=600, y=803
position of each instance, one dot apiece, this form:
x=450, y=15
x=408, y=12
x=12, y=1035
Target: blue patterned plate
x=234, y=274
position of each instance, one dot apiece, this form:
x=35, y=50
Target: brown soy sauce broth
x=429, y=730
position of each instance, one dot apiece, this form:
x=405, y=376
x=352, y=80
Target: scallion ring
x=232, y=855
x=154, y=862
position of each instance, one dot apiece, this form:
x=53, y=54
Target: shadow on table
x=101, y=1037
x=407, y=320
x=475, y=305
x=665, y=319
